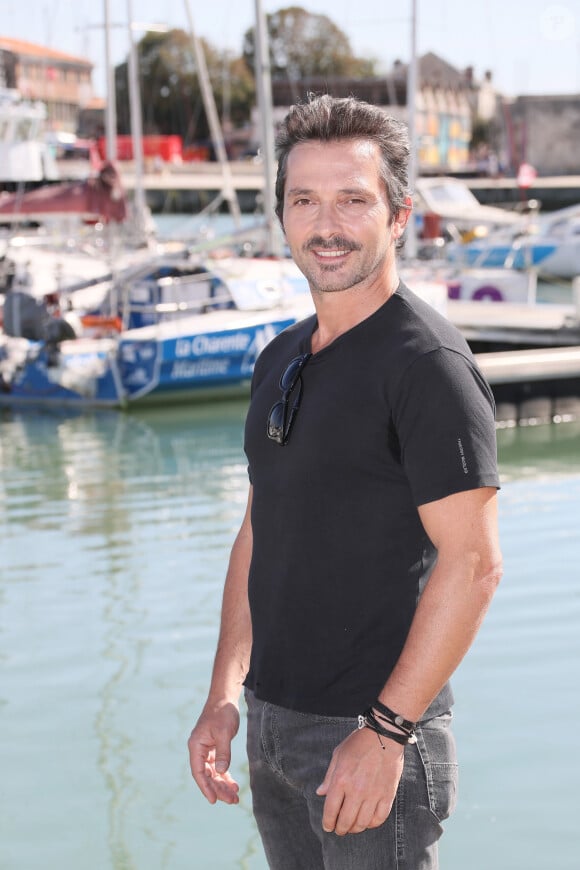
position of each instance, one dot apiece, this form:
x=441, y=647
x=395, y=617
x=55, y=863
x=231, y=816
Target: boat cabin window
x=455, y=194
x=173, y=291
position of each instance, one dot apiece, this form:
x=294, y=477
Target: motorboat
x=548, y=242
x=446, y=205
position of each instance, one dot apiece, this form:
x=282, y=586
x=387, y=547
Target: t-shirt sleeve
x=444, y=416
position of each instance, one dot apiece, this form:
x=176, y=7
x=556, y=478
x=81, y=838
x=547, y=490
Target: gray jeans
x=289, y=753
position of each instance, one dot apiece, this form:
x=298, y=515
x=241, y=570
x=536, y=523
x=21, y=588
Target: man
x=368, y=554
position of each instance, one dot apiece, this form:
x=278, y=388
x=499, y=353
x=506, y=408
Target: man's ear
x=402, y=218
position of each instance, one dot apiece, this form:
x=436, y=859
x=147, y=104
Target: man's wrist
x=394, y=718
x=384, y=726
x=222, y=698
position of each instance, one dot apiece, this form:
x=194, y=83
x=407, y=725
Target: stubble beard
x=320, y=278
x=324, y=283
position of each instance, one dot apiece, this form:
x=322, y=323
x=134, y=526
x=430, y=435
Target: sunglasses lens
x=281, y=417
x=291, y=374
x=276, y=422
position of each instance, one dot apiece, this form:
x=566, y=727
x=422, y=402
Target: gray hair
x=332, y=119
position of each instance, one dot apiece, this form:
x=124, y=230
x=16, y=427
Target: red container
x=169, y=149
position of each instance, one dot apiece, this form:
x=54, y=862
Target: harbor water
x=115, y=532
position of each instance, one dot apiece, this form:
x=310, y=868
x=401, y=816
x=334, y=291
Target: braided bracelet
x=408, y=733
x=394, y=718
x=369, y=720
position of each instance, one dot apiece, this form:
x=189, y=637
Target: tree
x=170, y=92
x=305, y=45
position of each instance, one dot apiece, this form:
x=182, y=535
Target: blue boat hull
x=136, y=368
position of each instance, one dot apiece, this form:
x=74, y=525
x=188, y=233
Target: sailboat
x=173, y=326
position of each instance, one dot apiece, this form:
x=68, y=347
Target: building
x=61, y=81
x=543, y=131
x=446, y=106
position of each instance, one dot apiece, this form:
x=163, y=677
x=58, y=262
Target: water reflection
x=116, y=530
x=526, y=451
x=92, y=450
x=79, y=462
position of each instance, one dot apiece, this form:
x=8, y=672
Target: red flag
x=526, y=175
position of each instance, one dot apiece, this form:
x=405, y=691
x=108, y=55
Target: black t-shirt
x=394, y=413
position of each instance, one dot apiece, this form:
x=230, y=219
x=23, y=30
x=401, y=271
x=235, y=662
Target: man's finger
x=381, y=814
x=332, y=808
x=201, y=770
x=364, y=819
x=223, y=757
x=226, y=789
x=325, y=784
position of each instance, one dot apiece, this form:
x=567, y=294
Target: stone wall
x=544, y=131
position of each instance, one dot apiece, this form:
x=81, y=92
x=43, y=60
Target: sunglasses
x=282, y=415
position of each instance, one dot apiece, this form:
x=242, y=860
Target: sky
x=530, y=46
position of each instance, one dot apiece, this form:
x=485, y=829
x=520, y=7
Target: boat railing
x=152, y=301
x=198, y=307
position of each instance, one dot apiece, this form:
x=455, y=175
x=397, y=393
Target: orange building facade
x=61, y=81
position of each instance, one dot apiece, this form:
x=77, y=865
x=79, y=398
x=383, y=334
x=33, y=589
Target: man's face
x=336, y=215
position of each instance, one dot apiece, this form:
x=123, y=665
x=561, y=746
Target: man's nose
x=328, y=221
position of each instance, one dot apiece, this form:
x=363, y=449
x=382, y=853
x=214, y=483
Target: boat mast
x=264, y=88
x=111, y=108
x=136, y=128
x=411, y=232
x=229, y=191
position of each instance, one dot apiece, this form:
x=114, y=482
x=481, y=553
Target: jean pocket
x=436, y=746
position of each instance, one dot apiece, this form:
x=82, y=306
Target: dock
x=529, y=354
x=188, y=187
x=184, y=186
x=534, y=386
x=505, y=325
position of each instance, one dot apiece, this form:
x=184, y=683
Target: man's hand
x=361, y=783
x=210, y=752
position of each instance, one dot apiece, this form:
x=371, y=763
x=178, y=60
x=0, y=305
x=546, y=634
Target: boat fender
x=487, y=293
x=101, y=324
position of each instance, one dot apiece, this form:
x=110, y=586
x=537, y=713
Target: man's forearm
x=210, y=741
x=453, y=604
x=235, y=638
x=445, y=624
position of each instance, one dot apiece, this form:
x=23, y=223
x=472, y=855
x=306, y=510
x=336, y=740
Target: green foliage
x=170, y=92
x=304, y=45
